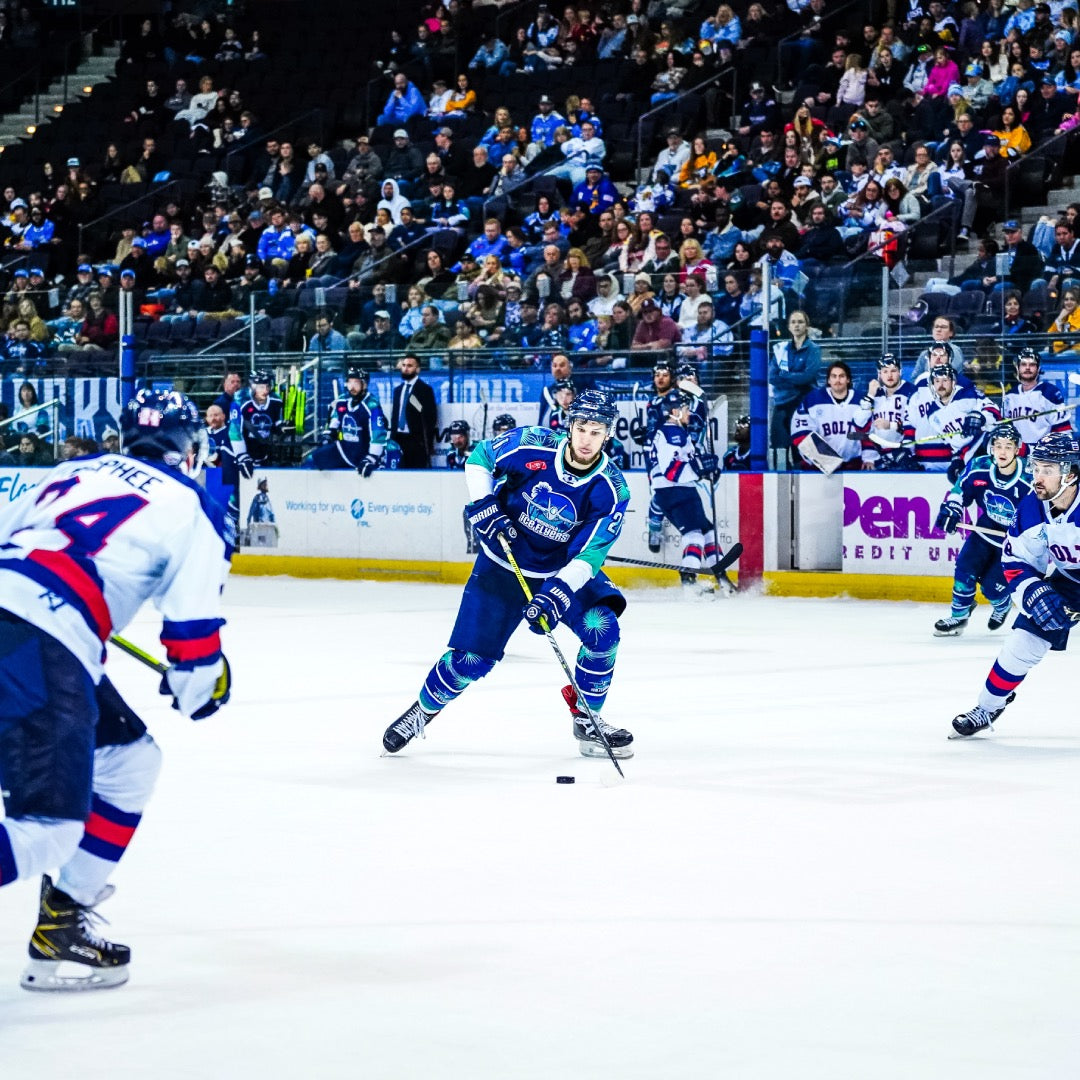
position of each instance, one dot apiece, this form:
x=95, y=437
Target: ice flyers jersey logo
x=549, y=515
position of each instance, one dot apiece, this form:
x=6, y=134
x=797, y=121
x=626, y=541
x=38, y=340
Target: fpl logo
x=356, y=509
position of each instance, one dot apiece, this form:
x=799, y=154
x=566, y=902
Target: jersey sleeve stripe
x=192, y=643
x=62, y=574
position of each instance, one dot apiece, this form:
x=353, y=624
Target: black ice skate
x=590, y=744
x=406, y=727
x=656, y=540
x=978, y=719
x=65, y=935
x=950, y=627
x=999, y=615
x=725, y=585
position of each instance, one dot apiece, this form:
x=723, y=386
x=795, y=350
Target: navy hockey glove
x=245, y=465
x=956, y=467
x=1044, y=606
x=489, y=522
x=949, y=516
x=707, y=467
x=367, y=466
x=974, y=422
x=548, y=606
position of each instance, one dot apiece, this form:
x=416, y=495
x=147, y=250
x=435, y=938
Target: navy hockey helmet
x=888, y=360
x=160, y=425
x=563, y=384
x=686, y=370
x=677, y=399
x=941, y=371
x=1005, y=431
x=664, y=364
x=502, y=423
x=260, y=377
x=743, y=421
x=355, y=372
x=1058, y=448
x=458, y=427
x=593, y=405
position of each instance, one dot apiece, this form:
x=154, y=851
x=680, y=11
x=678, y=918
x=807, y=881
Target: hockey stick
x=979, y=529
x=881, y=440
x=140, y=654
x=725, y=561
x=594, y=719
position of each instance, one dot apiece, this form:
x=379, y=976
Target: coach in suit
x=415, y=419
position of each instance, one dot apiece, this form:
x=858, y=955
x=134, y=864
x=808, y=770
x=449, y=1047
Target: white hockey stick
x=979, y=529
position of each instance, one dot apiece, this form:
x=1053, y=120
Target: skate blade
x=595, y=750
x=947, y=633
x=44, y=976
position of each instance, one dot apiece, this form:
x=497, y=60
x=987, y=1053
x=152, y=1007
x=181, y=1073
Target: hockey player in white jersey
x=826, y=415
x=1041, y=563
x=78, y=558
x=879, y=419
x=675, y=465
x=944, y=421
x=1034, y=405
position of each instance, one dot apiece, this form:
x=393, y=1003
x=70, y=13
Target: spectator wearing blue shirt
x=326, y=339
x=404, y=102
x=490, y=242
x=542, y=131
x=491, y=55
x=40, y=230
x=582, y=330
x=597, y=193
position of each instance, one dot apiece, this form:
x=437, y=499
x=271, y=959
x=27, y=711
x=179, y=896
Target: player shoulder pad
x=1051, y=392
x=1030, y=514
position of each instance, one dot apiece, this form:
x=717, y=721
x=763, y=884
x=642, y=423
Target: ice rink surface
x=801, y=877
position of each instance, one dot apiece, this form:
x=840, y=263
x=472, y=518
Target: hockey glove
x=219, y=695
x=489, y=522
x=707, y=467
x=949, y=516
x=245, y=465
x=548, y=606
x=367, y=466
x=974, y=422
x=956, y=467
x=1044, y=606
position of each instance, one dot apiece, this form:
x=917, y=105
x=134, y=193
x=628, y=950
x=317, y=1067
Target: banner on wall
x=889, y=525
x=414, y=515
x=87, y=406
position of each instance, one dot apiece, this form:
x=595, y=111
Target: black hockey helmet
x=458, y=427
x=1028, y=353
x=663, y=364
x=355, y=371
x=1005, y=431
x=261, y=377
x=940, y=371
x=160, y=425
x=1058, y=448
x=503, y=422
x=563, y=384
x=743, y=421
x=888, y=360
x=686, y=370
x=593, y=405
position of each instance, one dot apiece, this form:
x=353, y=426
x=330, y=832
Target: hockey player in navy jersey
x=458, y=454
x=356, y=429
x=880, y=416
x=737, y=458
x=1034, y=405
x=944, y=421
x=502, y=423
x=78, y=558
x=1046, y=533
x=262, y=418
x=995, y=484
x=675, y=465
x=560, y=503
x=826, y=415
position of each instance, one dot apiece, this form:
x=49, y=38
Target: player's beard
x=581, y=463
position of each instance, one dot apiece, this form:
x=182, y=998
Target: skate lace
x=412, y=723
x=89, y=922
x=590, y=727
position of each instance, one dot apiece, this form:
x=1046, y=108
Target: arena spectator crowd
x=494, y=207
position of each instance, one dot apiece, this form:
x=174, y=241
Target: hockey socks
x=448, y=679
x=1020, y=653
x=124, y=777
x=599, y=633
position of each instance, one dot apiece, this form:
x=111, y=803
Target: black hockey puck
x=564, y=779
